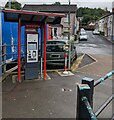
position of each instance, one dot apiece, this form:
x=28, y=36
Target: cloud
x=80, y=3
x=96, y=5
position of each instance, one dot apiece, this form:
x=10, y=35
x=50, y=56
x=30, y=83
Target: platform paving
x=54, y=98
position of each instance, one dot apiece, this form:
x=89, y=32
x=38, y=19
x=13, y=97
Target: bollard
x=83, y=90
x=90, y=82
x=65, y=66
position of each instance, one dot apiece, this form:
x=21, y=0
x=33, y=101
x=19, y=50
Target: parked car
x=82, y=30
x=96, y=32
x=56, y=50
x=83, y=35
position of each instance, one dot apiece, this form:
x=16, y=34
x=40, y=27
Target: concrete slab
x=65, y=73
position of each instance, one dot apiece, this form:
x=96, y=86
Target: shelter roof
x=31, y=17
x=65, y=8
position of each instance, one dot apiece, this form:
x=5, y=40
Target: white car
x=96, y=32
x=83, y=36
x=82, y=30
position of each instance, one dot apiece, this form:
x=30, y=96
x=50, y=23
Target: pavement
x=57, y=97
x=102, y=65
x=54, y=98
x=107, y=38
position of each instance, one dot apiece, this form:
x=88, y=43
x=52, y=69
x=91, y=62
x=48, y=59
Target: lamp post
x=69, y=22
x=9, y=4
x=69, y=58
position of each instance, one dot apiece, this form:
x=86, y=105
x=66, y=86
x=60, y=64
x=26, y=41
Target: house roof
x=51, y=8
x=31, y=17
x=112, y=13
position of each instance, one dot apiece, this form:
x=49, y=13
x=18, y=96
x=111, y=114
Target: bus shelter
x=31, y=19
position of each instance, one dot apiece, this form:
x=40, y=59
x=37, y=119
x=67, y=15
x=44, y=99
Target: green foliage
x=57, y=3
x=90, y=14
x=14, y=5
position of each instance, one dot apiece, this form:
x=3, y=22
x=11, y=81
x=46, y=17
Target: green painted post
x=90, y=82
x=83, y=90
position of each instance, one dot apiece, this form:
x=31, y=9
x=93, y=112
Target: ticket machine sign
x=32, y=48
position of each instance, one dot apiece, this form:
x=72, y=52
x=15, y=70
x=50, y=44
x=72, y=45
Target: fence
x=85, y=93
x=9, y=65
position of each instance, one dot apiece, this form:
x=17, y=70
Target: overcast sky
x=80, y=3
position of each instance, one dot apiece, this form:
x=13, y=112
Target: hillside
x=90, y=14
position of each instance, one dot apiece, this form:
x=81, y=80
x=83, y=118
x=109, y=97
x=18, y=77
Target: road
x=56, y=98
x=101, y=50
x=95, y=45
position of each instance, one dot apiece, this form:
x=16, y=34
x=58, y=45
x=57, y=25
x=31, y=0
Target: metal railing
x=85, y=93
x=4, y=53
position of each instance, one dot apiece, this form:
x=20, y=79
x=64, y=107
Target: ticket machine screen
x=32, y=46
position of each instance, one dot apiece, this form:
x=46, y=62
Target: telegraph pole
x=69, y=22
x=9, y=3
x=69, y=57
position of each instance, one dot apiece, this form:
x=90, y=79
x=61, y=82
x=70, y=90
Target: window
x=55, y=48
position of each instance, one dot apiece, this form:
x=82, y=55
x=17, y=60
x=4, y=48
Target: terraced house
x=106, y=24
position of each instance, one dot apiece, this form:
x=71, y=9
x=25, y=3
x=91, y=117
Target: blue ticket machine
x=31, y=53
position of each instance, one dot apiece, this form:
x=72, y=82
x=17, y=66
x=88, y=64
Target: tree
x=86, y=19
x=90, y=14
x=14, y=5
x=57, y=3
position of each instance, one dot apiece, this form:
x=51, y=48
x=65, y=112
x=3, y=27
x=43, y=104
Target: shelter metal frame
x=23, y=18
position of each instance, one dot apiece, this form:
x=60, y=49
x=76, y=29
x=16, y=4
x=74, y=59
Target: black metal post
x=83, y=90
x=90, y=82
